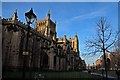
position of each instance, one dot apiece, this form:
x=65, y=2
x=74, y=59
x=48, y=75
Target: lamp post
x=30, y=18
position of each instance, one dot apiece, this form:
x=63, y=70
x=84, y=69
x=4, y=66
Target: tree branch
x=112, y=42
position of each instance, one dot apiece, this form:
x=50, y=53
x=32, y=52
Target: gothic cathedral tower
x=47, y=27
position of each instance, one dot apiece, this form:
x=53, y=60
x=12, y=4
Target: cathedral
x=45, y=50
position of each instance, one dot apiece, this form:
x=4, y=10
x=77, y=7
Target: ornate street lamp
x=30, y=18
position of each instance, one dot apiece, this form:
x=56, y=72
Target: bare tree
x=103, y=41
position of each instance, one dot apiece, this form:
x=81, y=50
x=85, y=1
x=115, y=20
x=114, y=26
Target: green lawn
x=111, y=73
x=56, y=75
x=66, y=75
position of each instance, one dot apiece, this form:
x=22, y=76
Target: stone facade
x=113, y=61
x=45, y=50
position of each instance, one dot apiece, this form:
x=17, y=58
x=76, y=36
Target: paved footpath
x=98, y=74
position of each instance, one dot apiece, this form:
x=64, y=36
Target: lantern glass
x=30, y=16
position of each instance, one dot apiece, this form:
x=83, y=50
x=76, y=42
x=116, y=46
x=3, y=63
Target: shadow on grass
x=73, y=75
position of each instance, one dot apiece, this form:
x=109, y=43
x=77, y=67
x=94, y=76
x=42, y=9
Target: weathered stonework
x=113, y=61
x=45, y=50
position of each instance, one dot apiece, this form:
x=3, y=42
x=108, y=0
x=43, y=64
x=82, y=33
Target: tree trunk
x=105, y=63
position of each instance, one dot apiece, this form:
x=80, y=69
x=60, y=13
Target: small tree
x=103, y=41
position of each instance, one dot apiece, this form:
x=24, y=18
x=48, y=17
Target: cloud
x=90, y=15
x=87, y=15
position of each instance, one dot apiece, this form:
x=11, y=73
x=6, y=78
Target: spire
x=48, y=15
x=76, y=35
x=14, y=17
x=65, y=36
x=55, y=21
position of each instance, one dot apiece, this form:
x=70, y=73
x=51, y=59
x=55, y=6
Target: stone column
x=64, y=64
x=57, y=63
x=61, y=66
x=51, y=58
x=51, y=61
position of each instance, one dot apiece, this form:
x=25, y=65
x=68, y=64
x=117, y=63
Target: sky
x=60, y=0
x=71, y=18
